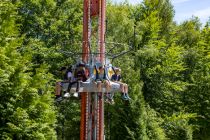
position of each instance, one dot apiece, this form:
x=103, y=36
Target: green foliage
x=26, y=106
x=49, y=28
x=177, y=126
x=167, y=73
x=68, y=119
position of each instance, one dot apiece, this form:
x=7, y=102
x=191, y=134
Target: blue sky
x=184, y=9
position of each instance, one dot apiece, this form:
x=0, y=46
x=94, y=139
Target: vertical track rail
x=95, y=117
x=83, y=117
x=101, y=37
x=101, y=117
x=85, y=51
x=85, y=43
x=99, y=31
x=89, y=117
x=98, y=116
x=102, y=30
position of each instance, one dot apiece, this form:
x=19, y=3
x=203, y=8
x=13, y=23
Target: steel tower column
x=85, y=51
x=93, y=118
x=101, y=46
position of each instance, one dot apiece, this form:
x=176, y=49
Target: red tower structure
x=92, y=104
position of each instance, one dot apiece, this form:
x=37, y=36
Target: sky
x=185, y=9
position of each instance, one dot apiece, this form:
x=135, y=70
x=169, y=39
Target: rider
x=109, y=95
x=80, y=73
x=67, y=76
x=124, y=87
x=101, y=77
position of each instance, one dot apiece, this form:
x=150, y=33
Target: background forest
x=168, y=71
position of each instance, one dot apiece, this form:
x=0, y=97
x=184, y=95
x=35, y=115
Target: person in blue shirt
x=116, y=77
x=101, y=78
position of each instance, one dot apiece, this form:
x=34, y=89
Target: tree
x=196, y=97
x=26, y=107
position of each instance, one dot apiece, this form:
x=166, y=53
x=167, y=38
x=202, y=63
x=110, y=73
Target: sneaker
x=66, y=95
x=58, y=99
x=124, y=97
x=127, y=96
x=110, y=96
x=112, y=101
x=107, y=101
x=76, y=94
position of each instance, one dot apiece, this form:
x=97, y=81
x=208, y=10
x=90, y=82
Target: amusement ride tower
x=92, y=103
